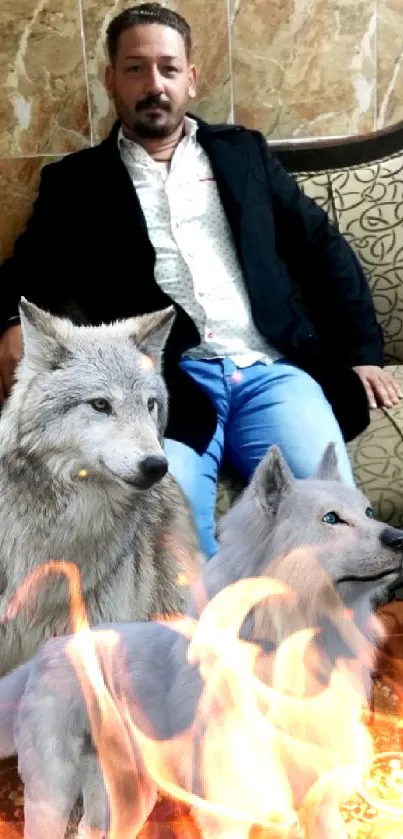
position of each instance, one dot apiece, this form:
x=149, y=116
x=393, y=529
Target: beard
x=153, y=124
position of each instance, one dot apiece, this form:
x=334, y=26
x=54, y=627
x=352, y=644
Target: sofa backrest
x=366, y=204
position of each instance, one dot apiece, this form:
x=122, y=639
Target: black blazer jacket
x=86, y=252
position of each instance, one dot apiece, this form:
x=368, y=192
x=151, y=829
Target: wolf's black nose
x=154, y=467
x=392, y=537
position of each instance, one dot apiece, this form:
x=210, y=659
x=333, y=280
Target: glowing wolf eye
x=370, y=513
x=331, y=518
x=101, y=405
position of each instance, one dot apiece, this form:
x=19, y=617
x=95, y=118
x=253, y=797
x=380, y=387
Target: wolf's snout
x=153, y=468
x=392, y=538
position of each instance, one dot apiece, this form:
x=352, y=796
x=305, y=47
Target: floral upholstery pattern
x=368, y=203
x=318, y=185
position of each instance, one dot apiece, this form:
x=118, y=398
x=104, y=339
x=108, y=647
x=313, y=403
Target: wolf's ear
x=151, y=331
x=328, y=469
x=43, y=336
x=272, y=479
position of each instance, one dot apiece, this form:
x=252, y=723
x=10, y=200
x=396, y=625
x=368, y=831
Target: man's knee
x=302, y=384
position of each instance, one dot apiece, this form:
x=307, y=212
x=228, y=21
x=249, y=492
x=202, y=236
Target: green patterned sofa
x=359, y=181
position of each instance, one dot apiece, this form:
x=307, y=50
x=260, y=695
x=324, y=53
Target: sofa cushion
x=377, y=460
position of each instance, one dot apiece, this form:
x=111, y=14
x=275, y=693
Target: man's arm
x=332, y=281
x=26, y=273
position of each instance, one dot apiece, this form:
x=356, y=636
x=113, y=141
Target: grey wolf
x=314, y=535
x=83, y=479
x=306, y=296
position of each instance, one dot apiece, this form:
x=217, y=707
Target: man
x=276, y=339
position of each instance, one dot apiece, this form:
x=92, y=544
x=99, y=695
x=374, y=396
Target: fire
x=272, y=749
x=255, y=755
x=383, y=784
x=112, y=736
x=23, y=596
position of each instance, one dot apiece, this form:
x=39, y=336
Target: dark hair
x=146, y=13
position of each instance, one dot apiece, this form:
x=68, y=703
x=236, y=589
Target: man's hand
x=381, y=388
x=10, y=354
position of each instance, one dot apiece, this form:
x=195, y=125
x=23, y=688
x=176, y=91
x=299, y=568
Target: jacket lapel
x=119, y=183
x=230, y=164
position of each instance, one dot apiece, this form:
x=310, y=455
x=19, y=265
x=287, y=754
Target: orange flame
x=259, y=751
x=78, y=612
x=264, y=751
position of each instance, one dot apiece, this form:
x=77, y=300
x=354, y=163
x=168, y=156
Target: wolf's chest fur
x=83, y=524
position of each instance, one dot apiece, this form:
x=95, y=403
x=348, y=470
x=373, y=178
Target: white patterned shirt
x=196, y=259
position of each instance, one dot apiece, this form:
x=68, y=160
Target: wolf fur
x=82, y=479
x=279, y=528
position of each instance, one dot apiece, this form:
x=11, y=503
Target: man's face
x=151, y=80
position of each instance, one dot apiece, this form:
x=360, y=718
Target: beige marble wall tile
x=390, y=62
x=43, y=99
x=19, y=180
x=209, y=22
x=304, y=67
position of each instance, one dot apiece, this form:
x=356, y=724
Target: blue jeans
x=256, y=407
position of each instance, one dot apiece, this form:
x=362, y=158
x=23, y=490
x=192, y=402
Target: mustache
x=153, y=100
